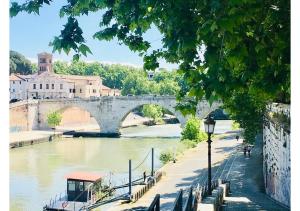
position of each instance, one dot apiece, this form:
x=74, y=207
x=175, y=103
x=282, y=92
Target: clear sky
x=30, y=34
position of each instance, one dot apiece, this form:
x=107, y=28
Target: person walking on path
x=245, y=150
x=249, y=149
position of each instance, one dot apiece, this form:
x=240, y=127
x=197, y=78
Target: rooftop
x=14, y=78
x=85, y=176
x=78, y=77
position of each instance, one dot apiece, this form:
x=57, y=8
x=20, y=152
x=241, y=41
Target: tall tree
x=19, y=64
x=245, y=46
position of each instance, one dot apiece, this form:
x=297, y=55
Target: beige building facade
x=18, y=86
x=45, y=84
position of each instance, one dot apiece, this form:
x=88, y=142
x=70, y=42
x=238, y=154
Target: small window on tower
x=47, y=86
x=52, y=86
x=41, y=86
x=34, y=86
x=61, y=86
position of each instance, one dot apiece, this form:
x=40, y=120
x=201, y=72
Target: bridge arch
x=75, y=116
x=177, y=114
x=48, y=106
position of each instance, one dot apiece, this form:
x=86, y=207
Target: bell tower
x=44, y=62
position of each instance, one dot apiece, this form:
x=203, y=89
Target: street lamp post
x=209, y=126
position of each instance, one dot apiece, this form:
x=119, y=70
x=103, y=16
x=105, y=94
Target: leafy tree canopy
x=192, y=130
x=153, y=111
x=245, y=46
x=19, y=64
x=54, y=119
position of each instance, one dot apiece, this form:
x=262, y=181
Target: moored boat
x=83, y=190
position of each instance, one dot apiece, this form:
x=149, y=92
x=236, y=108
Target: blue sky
x=31, y=34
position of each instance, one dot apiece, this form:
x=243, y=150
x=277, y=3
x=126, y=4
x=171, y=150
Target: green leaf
x=84, y=49
x=76, y=57
x=213, y=27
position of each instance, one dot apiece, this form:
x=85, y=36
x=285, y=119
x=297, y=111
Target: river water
x=37, y=172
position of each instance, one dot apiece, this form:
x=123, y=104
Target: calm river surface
x=37, y=172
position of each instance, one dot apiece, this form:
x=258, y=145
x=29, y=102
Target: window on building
x=20, y=82
x=70, y=90
x=61, y=86
x=94, y=90
x=13, y=82
x=74, y=91
x=52, y=86
x=80, y=90
x=90, y=83
x=34, y=86
x=13, y=90
x=47, y=86
x=71, y=185
x=81, y=186
x=42, y=60
x=41, y=86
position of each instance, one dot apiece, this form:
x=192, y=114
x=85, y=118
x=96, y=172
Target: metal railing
x=155, y=205
x=191, y=201
x=195, y=195
x=178, y=202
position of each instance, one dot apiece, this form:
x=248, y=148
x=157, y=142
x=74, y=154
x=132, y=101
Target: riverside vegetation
x=190, y=137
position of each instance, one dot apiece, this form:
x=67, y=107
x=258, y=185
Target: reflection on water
x=37, y=172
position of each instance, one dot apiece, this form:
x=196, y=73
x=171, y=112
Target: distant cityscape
x=45, y=84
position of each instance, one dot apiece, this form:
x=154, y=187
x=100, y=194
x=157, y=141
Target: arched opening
x=151, y=120
x=224, y=123
x=75, y=118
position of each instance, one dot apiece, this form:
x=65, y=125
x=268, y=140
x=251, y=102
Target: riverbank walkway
x=186, y=171
x=247, y=187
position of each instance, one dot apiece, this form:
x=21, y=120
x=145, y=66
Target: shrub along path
x=187, y=170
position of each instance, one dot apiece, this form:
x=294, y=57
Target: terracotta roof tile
x=86, y=176
x=14, y=77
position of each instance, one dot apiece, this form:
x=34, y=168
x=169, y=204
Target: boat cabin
x=79, y=185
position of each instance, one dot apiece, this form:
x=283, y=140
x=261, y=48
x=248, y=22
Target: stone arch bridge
x=109, y=111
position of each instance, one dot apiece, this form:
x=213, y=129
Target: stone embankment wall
x=276, y=152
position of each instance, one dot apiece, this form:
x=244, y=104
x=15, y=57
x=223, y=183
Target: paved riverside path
x=186, y=171
x=247, y=186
